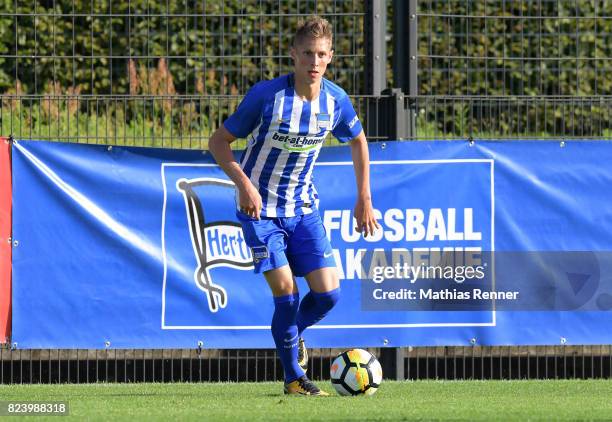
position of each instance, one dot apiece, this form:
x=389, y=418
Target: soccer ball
x=355, y=372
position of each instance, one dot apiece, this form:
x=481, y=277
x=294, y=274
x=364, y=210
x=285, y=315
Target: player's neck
x=307, y=92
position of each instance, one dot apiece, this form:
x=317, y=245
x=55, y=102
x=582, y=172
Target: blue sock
x=314, y=307
x=285, y=334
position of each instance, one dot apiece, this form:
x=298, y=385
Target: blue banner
x=495, y=243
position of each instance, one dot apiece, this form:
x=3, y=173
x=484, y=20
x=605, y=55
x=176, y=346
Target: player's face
x=311, y=57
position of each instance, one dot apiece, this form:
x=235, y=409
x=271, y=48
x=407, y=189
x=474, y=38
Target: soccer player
x=285, y=121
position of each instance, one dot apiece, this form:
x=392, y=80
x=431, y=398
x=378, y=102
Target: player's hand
x=364, y=214
x=249, y=200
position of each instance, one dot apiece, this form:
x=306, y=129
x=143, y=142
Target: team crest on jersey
x=216, y=240
x=323, y=121
x=260, y=253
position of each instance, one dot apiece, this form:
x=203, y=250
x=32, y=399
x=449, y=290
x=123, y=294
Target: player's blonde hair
x=313, y=27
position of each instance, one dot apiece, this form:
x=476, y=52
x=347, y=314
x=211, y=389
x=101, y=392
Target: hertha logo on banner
x=215, y=243
x=202, y=239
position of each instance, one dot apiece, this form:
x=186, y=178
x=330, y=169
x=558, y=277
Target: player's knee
x=281, y=281
x=283, y=289
x=327, y=300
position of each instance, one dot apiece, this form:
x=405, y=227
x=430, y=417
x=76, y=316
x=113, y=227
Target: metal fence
x=144, y=72
x=162, y=73
x=504, y=69
x=185, y=121
x=166, y=74
x=196, y=365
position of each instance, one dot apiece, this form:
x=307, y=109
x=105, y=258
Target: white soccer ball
x=355, y=372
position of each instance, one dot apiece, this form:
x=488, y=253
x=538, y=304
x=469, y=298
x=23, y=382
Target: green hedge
x=527, y=48
x=183, y=47
x=545, y=47
x=210, y=47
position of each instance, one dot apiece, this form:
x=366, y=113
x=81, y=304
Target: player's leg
x=266, y=239
x=323, y=296
x=285, y=333
x=284, y=328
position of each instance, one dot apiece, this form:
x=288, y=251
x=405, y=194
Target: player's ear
x=292, y=53
x=330, y=56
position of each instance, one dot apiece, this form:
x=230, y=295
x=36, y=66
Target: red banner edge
x=5, y=240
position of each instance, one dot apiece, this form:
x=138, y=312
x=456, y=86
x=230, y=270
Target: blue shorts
x=300, y=242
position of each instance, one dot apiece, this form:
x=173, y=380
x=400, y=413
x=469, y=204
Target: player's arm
x=249, y=198
x=364, y=212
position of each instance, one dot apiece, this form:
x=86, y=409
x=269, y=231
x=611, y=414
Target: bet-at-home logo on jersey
x=296, y=143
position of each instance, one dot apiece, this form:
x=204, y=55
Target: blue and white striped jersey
x=284, y=136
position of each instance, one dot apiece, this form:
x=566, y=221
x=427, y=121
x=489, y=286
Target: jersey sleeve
x=348, y=126
x=247, y=115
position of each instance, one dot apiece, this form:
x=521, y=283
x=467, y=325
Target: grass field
x=468, y=400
